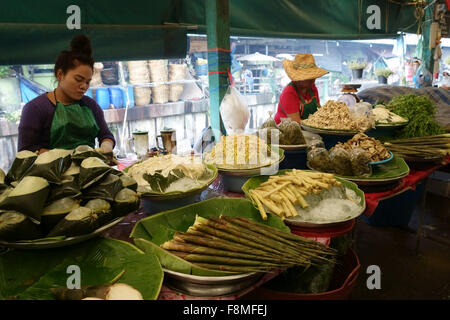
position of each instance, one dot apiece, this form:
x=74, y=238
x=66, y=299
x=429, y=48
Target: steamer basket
x=158, y=70
x=142, y=96
x=175, y=91
x=138, y=72
x=160, y=94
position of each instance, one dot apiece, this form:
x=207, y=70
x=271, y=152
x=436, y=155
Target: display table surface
x=123, y=229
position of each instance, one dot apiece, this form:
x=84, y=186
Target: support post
x=218, y=40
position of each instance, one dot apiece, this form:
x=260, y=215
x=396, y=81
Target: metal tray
x=291, y=147
x=391, y=125
x=48, y=244
x=201, y=286
x=328, y=131
x=320, y=224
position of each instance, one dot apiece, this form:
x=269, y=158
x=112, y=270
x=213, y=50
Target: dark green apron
x=308, y=108
x=72, y=126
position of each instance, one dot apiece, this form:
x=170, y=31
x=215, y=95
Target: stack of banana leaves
x=421, y=147
x=241, y=245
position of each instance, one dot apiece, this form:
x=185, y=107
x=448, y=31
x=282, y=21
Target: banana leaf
x=207, y=178
x=159, y=183
x=23, y=161
x=68, y=188
x=149, y=233
x=31, y=274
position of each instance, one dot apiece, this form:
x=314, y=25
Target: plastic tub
x=116, y=98
x=102, y=98
x=341, y=286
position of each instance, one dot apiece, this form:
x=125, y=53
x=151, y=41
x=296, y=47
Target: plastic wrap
x=315, y=143
x=292, y=132
x=234, y=111
x=360, y=162
x=340, y=161
x=319, y=159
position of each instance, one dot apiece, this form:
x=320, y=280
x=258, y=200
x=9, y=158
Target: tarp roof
x=34, y=32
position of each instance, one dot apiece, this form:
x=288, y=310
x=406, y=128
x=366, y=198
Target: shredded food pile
x=241, y=151
x=374, y=148
x=336, y=115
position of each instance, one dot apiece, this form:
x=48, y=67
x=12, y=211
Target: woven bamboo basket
x=158, y=70
x=138, y=72
x=142, y=96
x=176, y=72
x=160, y=94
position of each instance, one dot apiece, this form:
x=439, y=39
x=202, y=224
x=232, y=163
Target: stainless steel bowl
x=209, y=286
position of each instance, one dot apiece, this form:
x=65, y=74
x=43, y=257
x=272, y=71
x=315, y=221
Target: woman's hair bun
x=81, y=44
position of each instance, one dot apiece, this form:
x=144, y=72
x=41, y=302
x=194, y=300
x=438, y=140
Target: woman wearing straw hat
x=300, y=97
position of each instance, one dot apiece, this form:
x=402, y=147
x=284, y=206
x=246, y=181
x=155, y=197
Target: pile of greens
x=420, y=111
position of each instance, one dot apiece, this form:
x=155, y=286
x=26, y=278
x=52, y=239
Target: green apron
x=72, y=126
x=308, y=108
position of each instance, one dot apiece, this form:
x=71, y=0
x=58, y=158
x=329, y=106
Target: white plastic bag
x=234, y=111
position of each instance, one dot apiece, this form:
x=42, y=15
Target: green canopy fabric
x=320, y=19
x=34, y=32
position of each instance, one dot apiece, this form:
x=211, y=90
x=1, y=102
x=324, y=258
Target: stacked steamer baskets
x=139, y=75
x=317, y=206
x=167, y=182
x=239, y=157
x=177, y=72
x=159, y=76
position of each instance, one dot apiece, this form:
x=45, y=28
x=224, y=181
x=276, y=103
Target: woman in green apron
x=300, y=97
x=65, y=118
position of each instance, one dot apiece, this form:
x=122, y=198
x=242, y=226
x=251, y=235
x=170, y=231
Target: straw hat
x=303, y=68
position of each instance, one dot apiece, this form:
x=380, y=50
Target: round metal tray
x=391, y=125
x=209, y=286
x=48, y=244
x=329, y=131
x=320, y=224
x=291, y=147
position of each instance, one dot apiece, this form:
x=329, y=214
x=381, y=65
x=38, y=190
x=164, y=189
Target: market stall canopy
x=257, y=57
x=34, y=32
x=321, y=19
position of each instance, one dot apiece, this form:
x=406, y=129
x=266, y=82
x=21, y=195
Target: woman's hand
x=295, y=117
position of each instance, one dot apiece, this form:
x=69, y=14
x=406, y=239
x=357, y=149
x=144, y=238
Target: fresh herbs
x=420, y=111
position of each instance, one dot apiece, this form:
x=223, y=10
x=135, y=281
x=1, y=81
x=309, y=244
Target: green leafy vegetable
x=420, y=111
